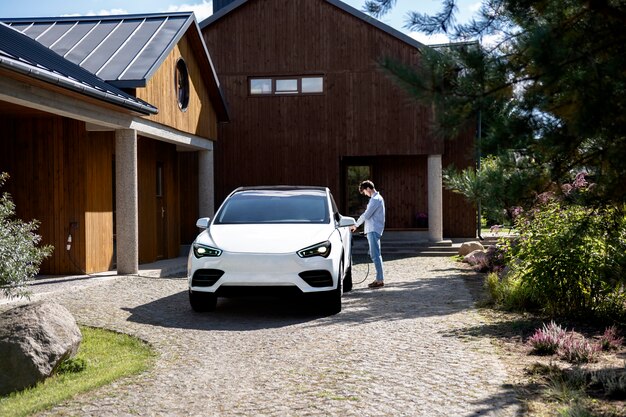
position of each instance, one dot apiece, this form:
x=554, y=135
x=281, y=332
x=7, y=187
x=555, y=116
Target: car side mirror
x=203, y=222
x=347, y=221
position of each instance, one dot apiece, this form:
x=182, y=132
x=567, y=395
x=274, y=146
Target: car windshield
x=271, y=206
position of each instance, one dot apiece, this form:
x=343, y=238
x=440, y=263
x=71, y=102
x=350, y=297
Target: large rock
x=476, y=257
x=34, y=339
x=469, y=247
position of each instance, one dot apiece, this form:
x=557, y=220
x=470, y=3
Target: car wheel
x=202, y=301
x=347, y=280
x=332, y=299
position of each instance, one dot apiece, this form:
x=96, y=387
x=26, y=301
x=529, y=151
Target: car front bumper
x=227, y=273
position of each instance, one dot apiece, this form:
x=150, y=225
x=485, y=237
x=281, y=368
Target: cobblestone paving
x=396, y=351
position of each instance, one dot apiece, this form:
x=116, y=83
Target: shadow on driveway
x=404, y=300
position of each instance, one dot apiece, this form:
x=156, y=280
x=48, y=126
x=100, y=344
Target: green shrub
x=20, y=256
x=571, y=259
x=508, y=293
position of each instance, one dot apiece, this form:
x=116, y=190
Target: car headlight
x=320, y=249
x=201, y=251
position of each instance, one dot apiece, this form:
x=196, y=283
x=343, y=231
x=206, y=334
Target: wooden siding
x=99, y=229
x=62, y=176
x=42, y=155
x=303, y=139
x=199, y=118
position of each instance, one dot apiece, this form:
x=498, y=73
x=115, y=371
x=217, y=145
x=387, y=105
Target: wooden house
x=107, y=128
x=310, y=105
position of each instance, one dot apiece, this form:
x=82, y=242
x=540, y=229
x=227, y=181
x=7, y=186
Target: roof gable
x=21, y=54
x=337, y=3
x=123, y=50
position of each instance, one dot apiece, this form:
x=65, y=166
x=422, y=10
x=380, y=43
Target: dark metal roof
x=22, y=54
x=337, y=3
x=124, y=50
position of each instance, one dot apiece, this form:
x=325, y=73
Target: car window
x=274, y=207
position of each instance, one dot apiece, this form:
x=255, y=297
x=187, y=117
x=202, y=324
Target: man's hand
x=353, y=228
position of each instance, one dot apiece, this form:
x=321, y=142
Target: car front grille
x=317, y=278
x=206, y=277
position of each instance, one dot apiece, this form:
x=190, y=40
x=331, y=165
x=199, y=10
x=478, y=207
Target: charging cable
x=368, y=264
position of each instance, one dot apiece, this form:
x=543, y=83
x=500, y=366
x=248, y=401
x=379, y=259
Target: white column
x=435, y=195
x=206, y=185
x=126, y=202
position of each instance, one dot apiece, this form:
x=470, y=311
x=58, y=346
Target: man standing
x=374, y=219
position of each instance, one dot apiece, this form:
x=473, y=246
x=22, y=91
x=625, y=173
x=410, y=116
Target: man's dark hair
x=366, y=184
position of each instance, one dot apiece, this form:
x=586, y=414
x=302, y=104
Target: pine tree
x=553, y=85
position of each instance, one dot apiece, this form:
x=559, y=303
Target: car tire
x=332, y=299
x=202, y=301
x=347, y=280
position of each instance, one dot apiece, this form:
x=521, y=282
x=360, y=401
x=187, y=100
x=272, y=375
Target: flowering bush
x=571, y=346
x=547, y=341
x=577, y=349
x=610, y=340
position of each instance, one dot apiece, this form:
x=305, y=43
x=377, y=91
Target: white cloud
x=102, y=12
x=201, y=10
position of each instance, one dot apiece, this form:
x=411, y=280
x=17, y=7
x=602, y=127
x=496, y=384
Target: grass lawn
x=108, y=356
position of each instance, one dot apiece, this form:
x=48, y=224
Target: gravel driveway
x=398, y=351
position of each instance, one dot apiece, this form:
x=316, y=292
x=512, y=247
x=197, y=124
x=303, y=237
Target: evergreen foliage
x=552, y=84
x=543, y=80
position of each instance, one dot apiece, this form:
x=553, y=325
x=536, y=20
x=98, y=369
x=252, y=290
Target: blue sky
x=203, y=9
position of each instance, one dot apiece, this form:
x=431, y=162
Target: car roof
x=282, y=188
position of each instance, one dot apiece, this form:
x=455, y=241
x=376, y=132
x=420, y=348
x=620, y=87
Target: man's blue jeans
x=373, y=239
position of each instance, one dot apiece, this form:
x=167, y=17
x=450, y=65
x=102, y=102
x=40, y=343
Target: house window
x=312, y=84
x=260, y=86
x=181, y=80
x=286, y=85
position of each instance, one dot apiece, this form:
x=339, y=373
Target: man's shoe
x=376, y=284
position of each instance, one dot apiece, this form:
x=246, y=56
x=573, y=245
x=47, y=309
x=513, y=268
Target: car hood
x=265, y=238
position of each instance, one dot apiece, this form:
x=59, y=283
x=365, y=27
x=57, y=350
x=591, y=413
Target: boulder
x=469, y=247
x=34, y=339
x=476, y=257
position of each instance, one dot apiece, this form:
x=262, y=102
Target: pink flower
x=580, y=181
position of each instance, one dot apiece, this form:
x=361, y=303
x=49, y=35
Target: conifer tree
x=553, y=84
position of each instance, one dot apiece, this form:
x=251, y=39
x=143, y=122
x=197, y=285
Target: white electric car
x=278, y=240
